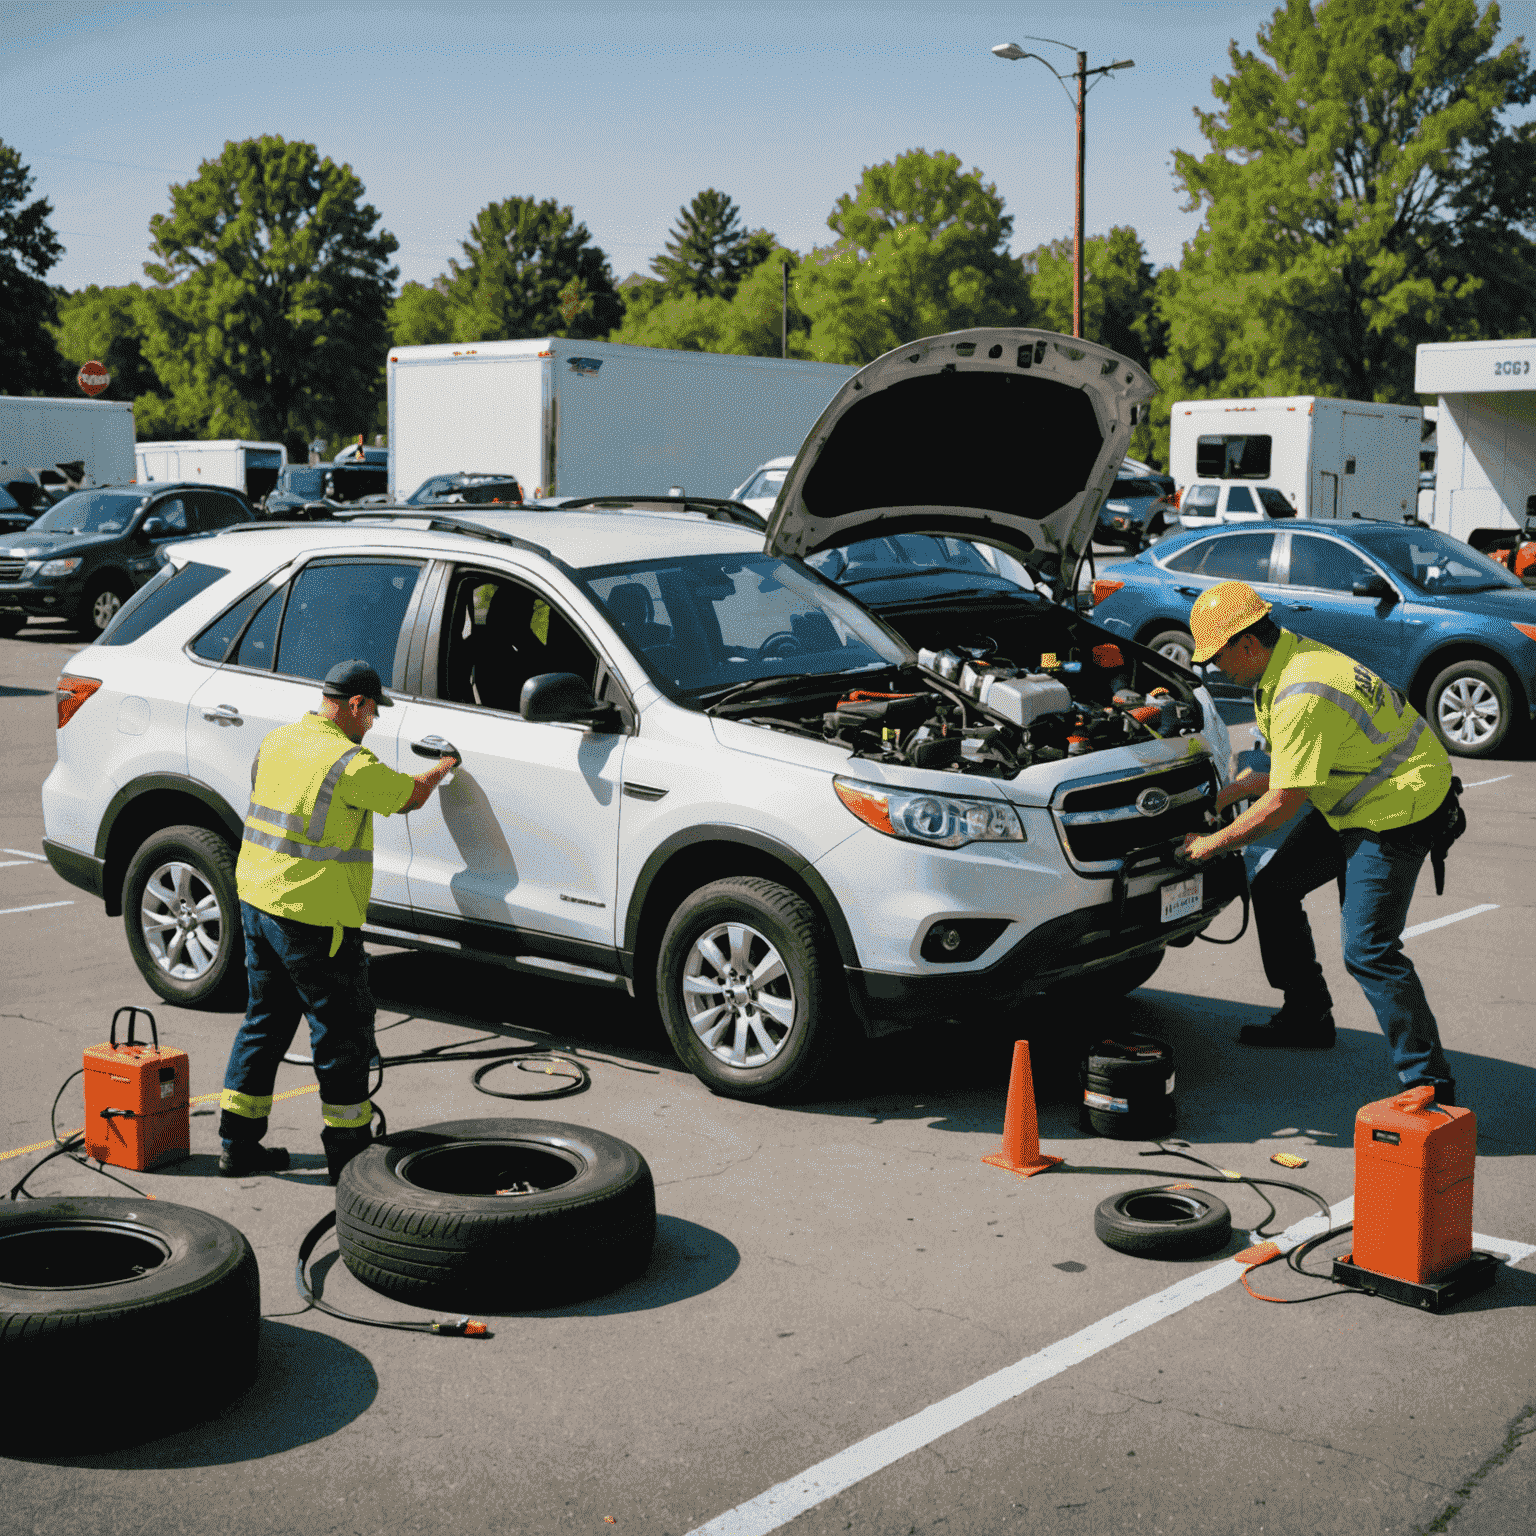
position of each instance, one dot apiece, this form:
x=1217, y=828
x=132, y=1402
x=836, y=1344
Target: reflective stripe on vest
x=1384, y=770
x=1340, y=700
x=297, y=850
x=327, y=790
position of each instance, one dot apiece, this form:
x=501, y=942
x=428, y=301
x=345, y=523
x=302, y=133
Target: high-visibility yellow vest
x=1365, y=755
x=307, y=849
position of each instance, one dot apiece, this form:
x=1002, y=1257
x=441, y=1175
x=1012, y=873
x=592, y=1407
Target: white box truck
x=64, y=444
x=248, y=467
x=591, y=418
x=1326, y=458
x=1485, y=460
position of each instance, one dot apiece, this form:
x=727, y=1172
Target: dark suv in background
x=88, y=554
x=308, y=491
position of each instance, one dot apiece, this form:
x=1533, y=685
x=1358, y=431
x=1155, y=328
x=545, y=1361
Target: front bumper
x=41, y=599
x=1075, y=944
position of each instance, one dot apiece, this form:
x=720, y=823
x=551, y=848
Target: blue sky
x=622, y=111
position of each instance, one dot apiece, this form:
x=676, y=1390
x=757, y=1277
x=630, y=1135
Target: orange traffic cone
x=1021, y=1131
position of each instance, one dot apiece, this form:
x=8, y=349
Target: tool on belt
x=1450, y=821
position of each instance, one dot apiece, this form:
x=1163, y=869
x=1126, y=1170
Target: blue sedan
x=1428, y=613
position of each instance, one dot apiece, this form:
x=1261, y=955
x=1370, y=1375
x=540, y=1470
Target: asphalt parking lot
x=829, y=1338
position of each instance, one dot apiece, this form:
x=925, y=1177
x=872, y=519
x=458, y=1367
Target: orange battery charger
x=1414, y=1161
x=137, y=1108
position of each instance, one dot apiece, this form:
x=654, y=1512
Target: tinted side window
x=259, y=642
x=1274, y=502
x=1323, y=563
x=1239, y=500
x=1230, y=457
x=1243, y=557
x=216, y=511
x=157, y=600
x=173, y=513
x=1200, y=498
x=215, y=641
x=339, y=610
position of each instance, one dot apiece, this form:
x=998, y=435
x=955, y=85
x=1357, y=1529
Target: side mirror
x=154, y=528
x=563, y=697
x=1373, y=586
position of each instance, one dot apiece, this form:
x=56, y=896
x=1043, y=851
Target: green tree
x=921, y=248
x=709, y=252
x=1119, y=292
x=530, y=269
x=1362, y=194
x=421, y=315
x=270, y=317
x=29, y=249
x=107, y=325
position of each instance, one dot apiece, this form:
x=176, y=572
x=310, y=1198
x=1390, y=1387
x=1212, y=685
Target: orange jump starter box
x=1414, y=1162
x=137, y=1102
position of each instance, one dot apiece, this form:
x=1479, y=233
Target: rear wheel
x=1470, y=707
x=181, y=909
x=1176, y=644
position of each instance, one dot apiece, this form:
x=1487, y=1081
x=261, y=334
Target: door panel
x=1317, y=601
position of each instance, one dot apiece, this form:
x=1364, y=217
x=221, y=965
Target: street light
x=1012, y=51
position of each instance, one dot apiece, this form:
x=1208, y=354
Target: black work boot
x=1297, y=1029
x=341, y=1146
x=240, y=1159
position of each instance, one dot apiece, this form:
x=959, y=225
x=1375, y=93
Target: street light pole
x=1012, y=51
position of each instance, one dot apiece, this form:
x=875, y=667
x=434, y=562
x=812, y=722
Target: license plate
x=1183, y=898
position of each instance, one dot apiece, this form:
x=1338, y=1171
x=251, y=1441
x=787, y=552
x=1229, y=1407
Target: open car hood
x=1008, y=436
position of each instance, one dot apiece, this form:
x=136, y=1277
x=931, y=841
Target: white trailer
x=1485, y=460
x=66, y=443
x=249, y=467
x=1328, y=458
x=589, y=418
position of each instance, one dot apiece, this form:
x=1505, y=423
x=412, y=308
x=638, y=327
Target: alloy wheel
x=104, y=609
x=738, y=995
x=181, y=921
x=1468, y=711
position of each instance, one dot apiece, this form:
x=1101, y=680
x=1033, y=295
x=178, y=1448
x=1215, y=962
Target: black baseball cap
x=348, y=679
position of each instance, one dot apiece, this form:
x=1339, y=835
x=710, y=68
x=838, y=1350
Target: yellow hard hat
x=1220, y=612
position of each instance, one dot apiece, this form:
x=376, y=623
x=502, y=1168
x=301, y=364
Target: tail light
x=1178, y=496
x=71, y=693
x=1104, y=587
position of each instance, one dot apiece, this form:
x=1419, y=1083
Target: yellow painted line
x=202, y=1098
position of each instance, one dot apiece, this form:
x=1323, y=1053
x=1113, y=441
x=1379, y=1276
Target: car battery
x=137, y=1105
x=1413, y=1187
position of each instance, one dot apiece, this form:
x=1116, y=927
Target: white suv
x=693, y=767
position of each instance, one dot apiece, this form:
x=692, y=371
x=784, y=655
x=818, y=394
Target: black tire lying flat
x=1163, y=1223
x=101, y=1291
x=499, y=1214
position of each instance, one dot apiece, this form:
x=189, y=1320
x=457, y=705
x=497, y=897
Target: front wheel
x=1470, y=707
x=1176, y=644
x=749, y=990
x=99, y=609
x=181, y=909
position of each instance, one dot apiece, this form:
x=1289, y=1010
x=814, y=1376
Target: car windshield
x=898, y=554
x=472, y=492
x=91, y=512
x=765, y=482
x=334, y=482
x=703, y=623
x=1432, y=562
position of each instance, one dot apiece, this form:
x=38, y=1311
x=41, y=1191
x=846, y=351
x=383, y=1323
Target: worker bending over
x=305, y=874
x=1340, y=738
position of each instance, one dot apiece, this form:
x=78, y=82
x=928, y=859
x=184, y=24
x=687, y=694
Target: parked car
x=1429, y=614
x=305, y=492
x=693, y=767
x=760, y=489
x=361, y=453
x=88, y=554
x=1136, y=512
x=14, y=517
x=1204, y=505
x=467, y=488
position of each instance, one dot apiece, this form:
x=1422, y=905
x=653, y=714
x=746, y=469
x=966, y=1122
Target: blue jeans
x=291, y=973
x=1379, y=871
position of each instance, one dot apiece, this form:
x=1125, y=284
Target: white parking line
x=784, y=1501
x=15, y=863
x=42, y=858
x=1480, y=782
x=40, y=907
x=1445, y=922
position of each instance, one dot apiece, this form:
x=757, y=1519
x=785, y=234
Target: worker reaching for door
x=305, y=874
x=1354, y=748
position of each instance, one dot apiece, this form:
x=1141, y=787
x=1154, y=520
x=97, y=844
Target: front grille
x=10, y=570
x=1100, y=823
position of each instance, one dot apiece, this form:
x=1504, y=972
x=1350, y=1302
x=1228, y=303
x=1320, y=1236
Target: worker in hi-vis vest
x=304, y=874
x=1354, y=748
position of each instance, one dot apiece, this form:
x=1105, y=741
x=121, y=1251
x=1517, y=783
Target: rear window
x=1274, y=502
x=157, y=599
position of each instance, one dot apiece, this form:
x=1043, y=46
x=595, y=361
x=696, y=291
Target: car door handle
x=1187, y=591
x=1298, y=607
x=435, y=746
x=222, y=712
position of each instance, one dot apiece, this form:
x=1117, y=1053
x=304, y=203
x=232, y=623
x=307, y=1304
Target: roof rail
x=718, y=509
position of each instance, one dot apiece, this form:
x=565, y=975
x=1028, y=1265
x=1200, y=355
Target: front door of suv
x=1318, y=600
x=527, y=838
x=272, y=651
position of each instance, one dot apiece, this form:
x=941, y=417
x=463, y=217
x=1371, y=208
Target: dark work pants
x=291, y=973
x=1380, y=871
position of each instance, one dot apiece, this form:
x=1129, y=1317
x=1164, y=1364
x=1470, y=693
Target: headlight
x=61, y=567
x=940, y=821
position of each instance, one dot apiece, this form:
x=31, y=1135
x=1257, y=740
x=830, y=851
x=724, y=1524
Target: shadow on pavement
x=308, y=1386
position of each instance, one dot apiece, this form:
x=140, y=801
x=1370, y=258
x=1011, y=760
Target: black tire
x=1176, y=644
x=1127, y=1081
x=89, y=1286
x=1470, y=707
x=99, y=606
x=11, y=625
x=1163, y=1223
x=766, y=1041
x=186, y=872
x=419, y=1216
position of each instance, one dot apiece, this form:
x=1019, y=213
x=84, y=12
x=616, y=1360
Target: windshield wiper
x=789, y=684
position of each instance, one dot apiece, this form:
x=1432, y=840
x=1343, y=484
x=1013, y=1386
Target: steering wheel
x=783, y=643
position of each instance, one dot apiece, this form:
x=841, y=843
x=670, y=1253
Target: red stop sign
x=93, y=378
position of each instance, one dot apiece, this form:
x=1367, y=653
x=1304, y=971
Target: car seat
x=630, y=604
x=815, y=632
